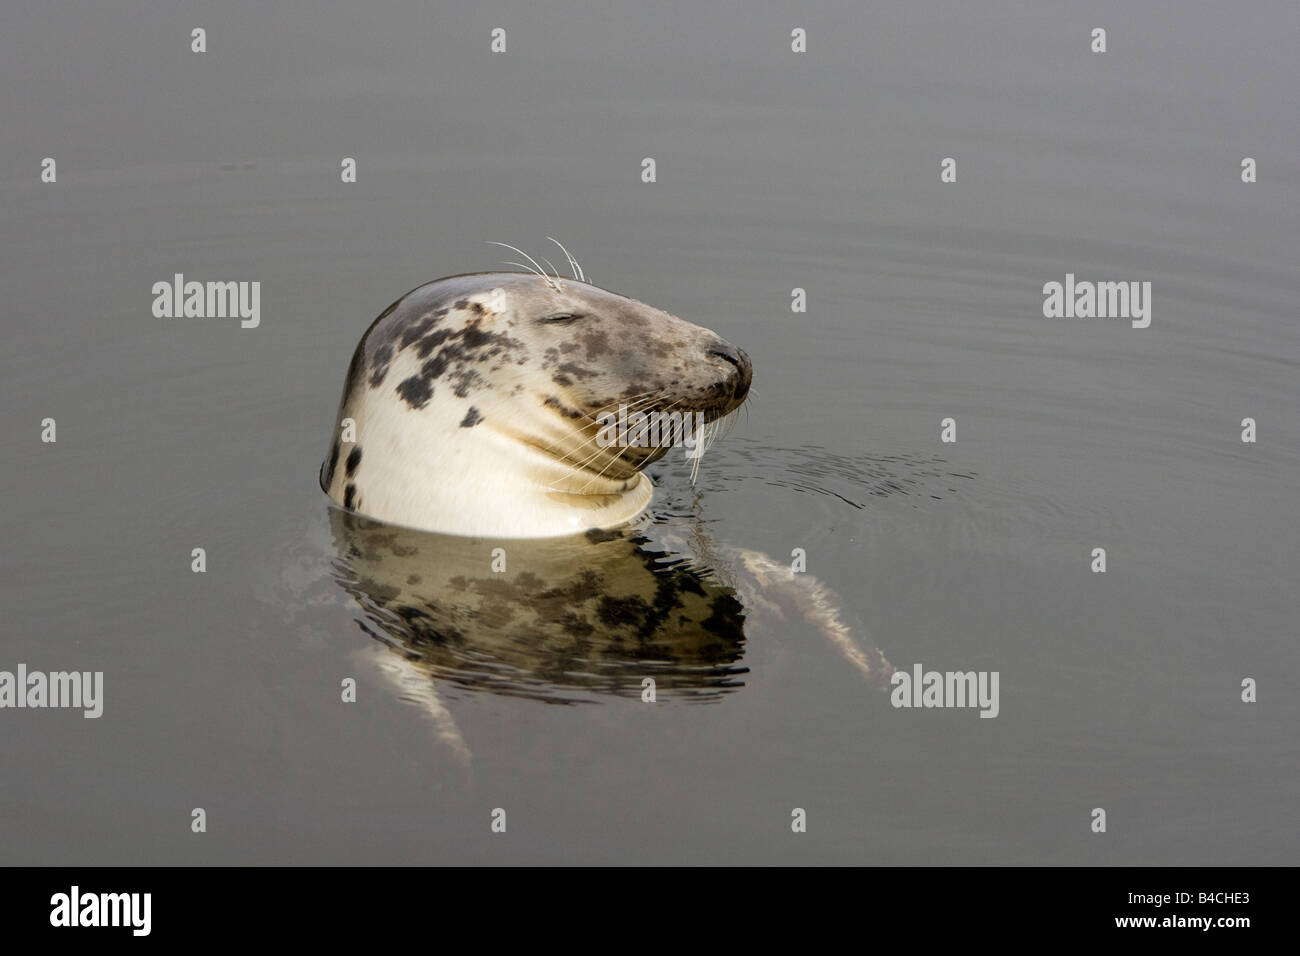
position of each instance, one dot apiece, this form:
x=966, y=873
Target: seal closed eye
x=473, y=405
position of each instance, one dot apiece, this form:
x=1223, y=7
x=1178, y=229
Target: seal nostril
x=730, y=354
x=738, y=384
x=734, y=357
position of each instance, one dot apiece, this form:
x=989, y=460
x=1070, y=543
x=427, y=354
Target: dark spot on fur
x=432, y=341
x=465, y=380
x=472, y=418
x=458, y=349
x=555, y=403
x=433, y=368
x=416, y=330
x=354, y=370
x=379, y=363
x=349, y=496
x=577, y=371
x=415, y=391
x=354, y=459
x=597, y=343
x=327, y=473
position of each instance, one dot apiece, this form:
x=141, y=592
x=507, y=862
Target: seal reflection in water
x=568, y=618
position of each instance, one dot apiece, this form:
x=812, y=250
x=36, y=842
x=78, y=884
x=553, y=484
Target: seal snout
x=743, y=373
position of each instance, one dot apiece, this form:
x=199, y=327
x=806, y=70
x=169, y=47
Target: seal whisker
x=703, y=443
x=595, y=436
x=608, y=465
x=636, y=402
x=622, y=455
x=537, y=269
x=573, y=263
x=637, y=398
x=633, y=407
x=712, y=433
x=726, y=423
x=581, y=465
x=619, y=455
x=528, y=269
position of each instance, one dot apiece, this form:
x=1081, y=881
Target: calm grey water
x=775, y=170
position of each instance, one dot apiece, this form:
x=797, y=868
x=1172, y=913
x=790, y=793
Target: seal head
x=474, y=405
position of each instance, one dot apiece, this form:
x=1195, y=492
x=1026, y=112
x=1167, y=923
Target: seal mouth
x=618, y=441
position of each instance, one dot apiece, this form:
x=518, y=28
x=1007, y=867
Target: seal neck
x=495, y=487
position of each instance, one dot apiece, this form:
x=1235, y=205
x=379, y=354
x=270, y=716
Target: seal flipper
x=417, y=688
x=775, y=586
